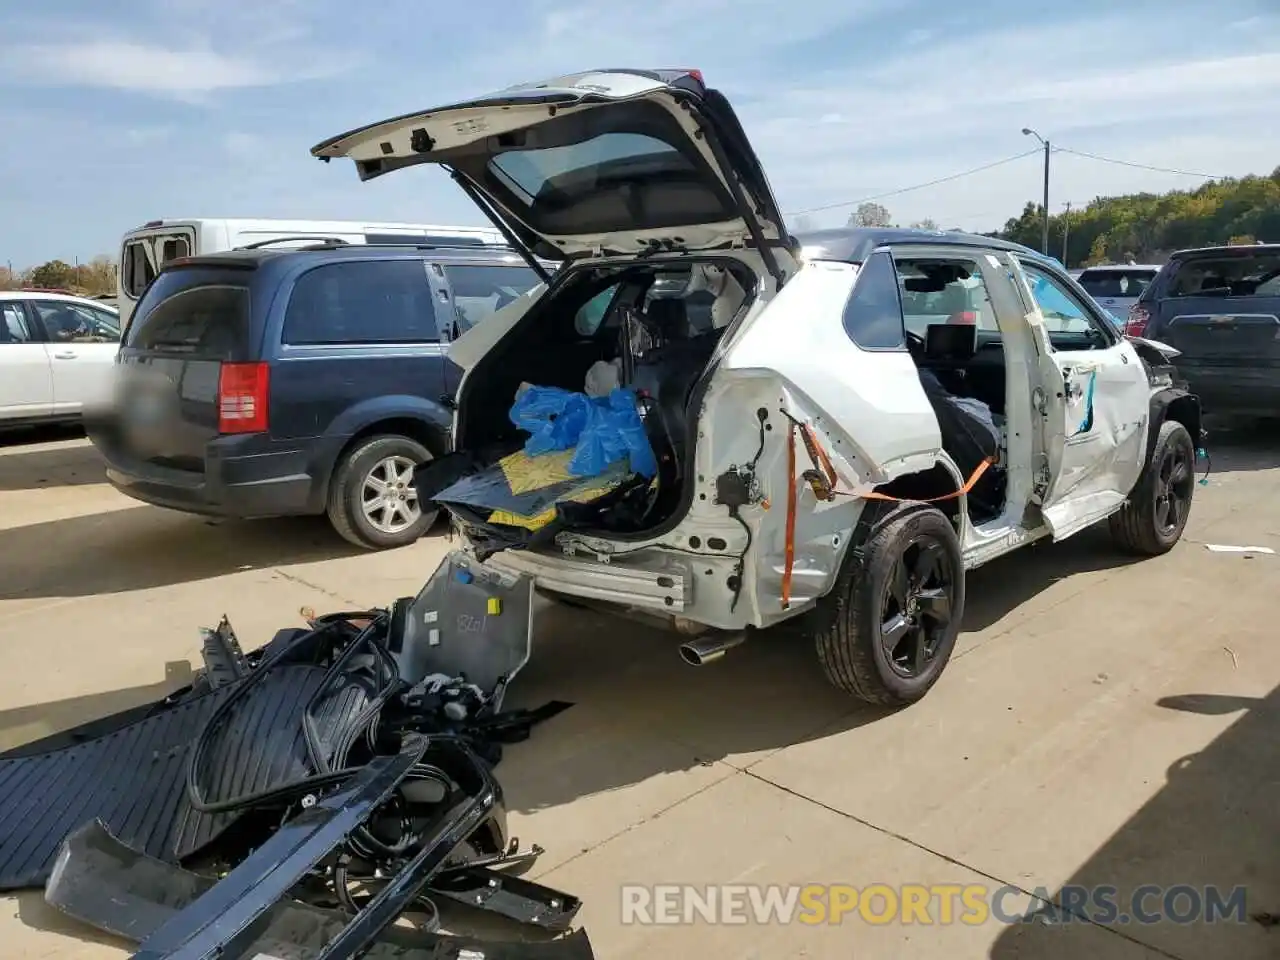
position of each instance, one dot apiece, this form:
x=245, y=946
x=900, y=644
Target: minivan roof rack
x=326, y=241
x=477, y=248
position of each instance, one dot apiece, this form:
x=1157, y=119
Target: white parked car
x=57, y=355
x=1118, y=286
x=807, y=450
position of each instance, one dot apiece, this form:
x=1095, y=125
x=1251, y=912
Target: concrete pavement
x=1103, y=723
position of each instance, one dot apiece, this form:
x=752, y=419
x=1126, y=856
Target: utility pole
x=1066, y=232
x=1044, y=243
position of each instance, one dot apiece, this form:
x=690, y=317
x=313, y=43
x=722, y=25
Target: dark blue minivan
x=273, y=382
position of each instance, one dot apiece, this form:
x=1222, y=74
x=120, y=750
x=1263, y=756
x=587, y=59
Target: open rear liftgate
x=104, y=817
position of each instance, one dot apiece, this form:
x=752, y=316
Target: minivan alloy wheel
x=388, y=497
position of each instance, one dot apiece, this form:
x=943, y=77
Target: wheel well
x=1186, y=410
x=937, y=481
x=419, y=430
x=929, y=484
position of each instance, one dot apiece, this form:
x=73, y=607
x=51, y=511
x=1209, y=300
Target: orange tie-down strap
x=822, y=481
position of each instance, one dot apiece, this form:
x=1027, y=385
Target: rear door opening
x=615, y=174
x=652, y=330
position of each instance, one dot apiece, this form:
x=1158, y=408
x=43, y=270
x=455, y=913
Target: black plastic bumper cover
x=100, y=881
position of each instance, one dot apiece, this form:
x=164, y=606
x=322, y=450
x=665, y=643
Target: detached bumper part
x=179, y=915
x=294, y=742
x=105, y=884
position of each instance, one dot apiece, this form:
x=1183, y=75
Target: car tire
x=856, y=651
x=364, y=516
x=1154, y=516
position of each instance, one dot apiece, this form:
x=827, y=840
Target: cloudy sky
x=209, y=107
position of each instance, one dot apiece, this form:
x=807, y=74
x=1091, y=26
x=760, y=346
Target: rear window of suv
x=1242, y=275
x=1116, y=283
x=197, y=312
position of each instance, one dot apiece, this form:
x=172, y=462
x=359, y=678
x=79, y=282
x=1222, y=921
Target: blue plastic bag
x=553, y=417
x=614, y=430
x=604, y=429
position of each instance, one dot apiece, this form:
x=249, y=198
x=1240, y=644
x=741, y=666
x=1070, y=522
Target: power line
x=1140, y=166
x=998, y=163
x=918, y=186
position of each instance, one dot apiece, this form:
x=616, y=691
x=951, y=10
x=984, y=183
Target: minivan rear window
x=194, y=315
x=1250, y=275
x=1116, y=283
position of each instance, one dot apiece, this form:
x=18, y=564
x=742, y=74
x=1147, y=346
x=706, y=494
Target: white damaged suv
x=843, y=424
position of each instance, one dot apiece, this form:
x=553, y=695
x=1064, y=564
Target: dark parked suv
x=1220, y=306
x=270, y=382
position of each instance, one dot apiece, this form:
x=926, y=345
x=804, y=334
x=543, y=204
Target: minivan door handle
x=66, y=355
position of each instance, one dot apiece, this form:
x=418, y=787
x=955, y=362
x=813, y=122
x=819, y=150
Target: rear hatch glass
x=194, y=312
x=1118, y=284
x=1224, y=308
x=188, y=324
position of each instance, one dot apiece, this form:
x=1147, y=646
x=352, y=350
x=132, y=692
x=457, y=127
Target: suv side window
x=592, y=313
x=1066, y=318
x=873, y=313
x=360, y=302
x=951, y=291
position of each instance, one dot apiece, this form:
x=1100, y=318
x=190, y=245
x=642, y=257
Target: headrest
x=669, y=315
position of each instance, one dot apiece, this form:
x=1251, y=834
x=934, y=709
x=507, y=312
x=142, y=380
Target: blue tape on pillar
x=1088, y=403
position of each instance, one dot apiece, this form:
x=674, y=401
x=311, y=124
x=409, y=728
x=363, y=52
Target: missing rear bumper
x=657, y=583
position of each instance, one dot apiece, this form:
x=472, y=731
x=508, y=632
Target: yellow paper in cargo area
x=525, y=474
x=593, y=488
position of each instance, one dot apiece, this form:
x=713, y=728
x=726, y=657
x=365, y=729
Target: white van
x=142, y=251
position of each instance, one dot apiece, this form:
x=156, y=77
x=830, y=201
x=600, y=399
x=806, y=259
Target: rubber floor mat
x=134, y=778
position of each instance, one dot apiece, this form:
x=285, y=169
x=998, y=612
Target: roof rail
x=326, y=241
x=478, y=248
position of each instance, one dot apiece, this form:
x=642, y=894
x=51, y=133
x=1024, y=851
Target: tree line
x=95, y=278
x=1144, y=227
x=1147, y=227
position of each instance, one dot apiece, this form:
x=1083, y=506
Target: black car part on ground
x=113, y=888
x=227, y=917
x=319, y=766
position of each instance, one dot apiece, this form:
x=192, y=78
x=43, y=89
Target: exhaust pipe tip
x=695, y=658
x=708, y=649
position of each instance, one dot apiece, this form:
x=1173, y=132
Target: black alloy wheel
x=917, y=607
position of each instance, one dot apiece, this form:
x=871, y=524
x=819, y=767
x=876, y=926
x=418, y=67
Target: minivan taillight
x=242, y=397
x=1139, y=317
